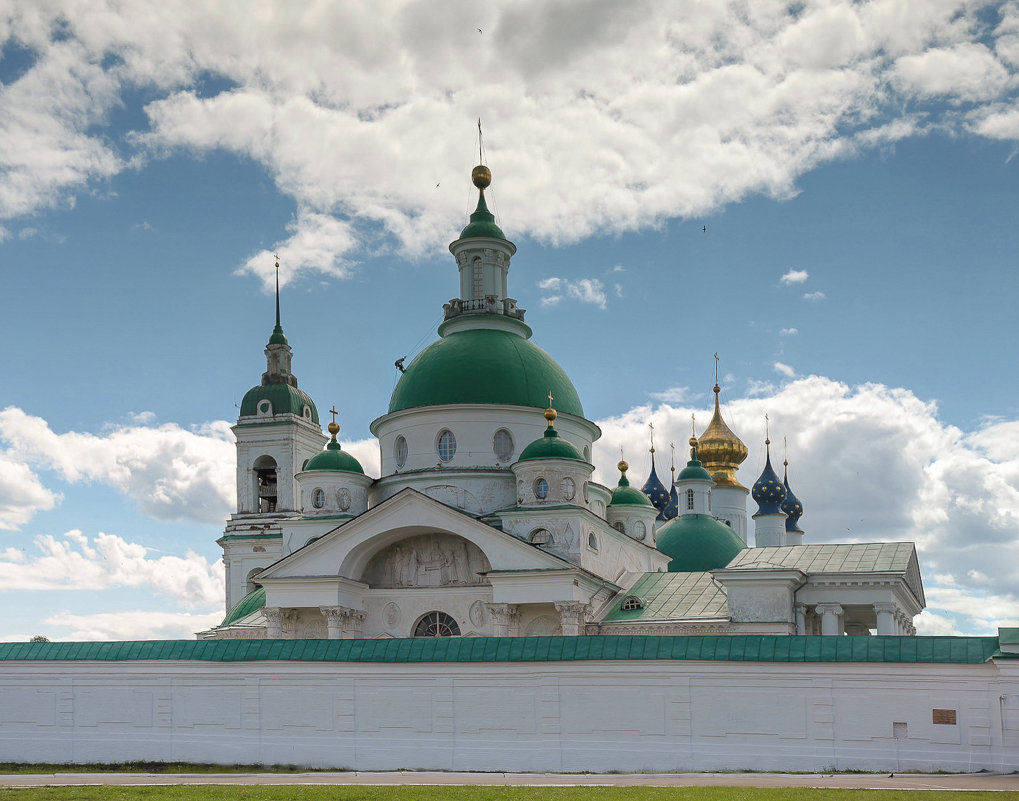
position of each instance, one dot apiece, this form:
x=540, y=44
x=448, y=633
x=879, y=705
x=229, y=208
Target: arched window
x=689, y=499
x=541, y=536
x=631, y=602
x=265, y=484
x=639, y=530
x=478, y=279
x=437, y=624
x=400, y=452
x=540, y=489
x=502, y=444
x=592, y=541
x=447, y=445
x=318, y=498
x=249, y=584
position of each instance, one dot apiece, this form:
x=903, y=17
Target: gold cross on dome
x=550, y=399
x=333, y=412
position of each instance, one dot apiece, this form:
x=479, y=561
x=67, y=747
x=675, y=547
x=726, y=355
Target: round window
x=639, y=530
x=437, y=624
x=343, y=499
x=502, y=444
x=447, y=445
x=540, y=488
x=264, y=407
x=400, y=452
x=569, y=488
x=318, y=498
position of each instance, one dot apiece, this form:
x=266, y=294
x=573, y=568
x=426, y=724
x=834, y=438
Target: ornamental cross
x=716, y=367
x=550, y=399
x=333, y=412
x=651, y=426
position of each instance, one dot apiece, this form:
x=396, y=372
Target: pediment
x=412, y=540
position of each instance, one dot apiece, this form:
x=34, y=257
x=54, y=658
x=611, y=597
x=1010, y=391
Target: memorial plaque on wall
x=946, y=716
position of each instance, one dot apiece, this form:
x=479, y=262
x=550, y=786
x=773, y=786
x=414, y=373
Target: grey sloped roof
x=673, y=596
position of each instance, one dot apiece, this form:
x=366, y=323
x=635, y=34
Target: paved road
x=992, y=782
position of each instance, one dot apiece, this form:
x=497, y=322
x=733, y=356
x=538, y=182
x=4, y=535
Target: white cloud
x=794, y=277
x=349, y=112
x=784, y=369
x=73, y=562
x=22, y=494
x=873, y=463
x=586, y=290
x=618, y=289
x=619, y=268
x=788, y=332
x=131, y=625
x=672, y=395
x=170, y=472
x=814, y=296
x=366, y=451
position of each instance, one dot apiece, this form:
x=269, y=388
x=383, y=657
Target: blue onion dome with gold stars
x=482, y=220
x=694, y=470
x=768, y=491
x=334, y=457
x=624, y=494
x=721, y=450
x=697, y=542
x=550, y=445
x=655, y=490
x=791, y=505
x=673, y=508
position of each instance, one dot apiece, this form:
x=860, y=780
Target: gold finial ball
x=693, y=442
x=333, y=428
x=551, y=414
x=623, y=466
x=481, y=176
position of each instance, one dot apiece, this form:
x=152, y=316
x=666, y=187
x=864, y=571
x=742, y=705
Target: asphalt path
x=980, y=782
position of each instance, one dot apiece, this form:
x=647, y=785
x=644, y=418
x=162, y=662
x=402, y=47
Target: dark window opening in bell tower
x=266, y=484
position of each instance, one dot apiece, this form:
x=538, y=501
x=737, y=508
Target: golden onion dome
x=721, y=451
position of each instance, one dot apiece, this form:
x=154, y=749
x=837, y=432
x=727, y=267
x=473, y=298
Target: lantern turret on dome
x=769, y=493
x=333, y=483
x=630, y=510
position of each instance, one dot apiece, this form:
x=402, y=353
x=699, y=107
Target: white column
x=273, y=622
x=831, y=618
x=801, y=618
x=290, y=624
x=502, y=618
x=572, y=617
x=885, y=617
x=353, y=624
x=334, y=616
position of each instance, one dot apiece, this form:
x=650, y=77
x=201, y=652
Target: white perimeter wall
x=555, y=716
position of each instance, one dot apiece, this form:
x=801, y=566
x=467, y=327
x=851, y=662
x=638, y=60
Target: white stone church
x=485, y=520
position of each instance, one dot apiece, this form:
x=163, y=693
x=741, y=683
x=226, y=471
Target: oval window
x=400, y=452
x=569, y=488
x=586, y=496
x=540, y=489
x=502, y=444
x=592, y=541
x=447, y=445
x=639, y=530
x=318, y=498
x=343, y=499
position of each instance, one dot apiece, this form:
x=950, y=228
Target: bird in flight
x=704, y=229
x=479, y=30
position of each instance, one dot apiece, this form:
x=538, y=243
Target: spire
x=720, y=449
x=673, y=508
x=277, y=337
x=278, y=354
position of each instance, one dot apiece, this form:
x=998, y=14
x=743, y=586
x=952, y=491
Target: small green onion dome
x=285, y=399
x=334, y=457
x=694, y=470
x=484, y=365
x=482, y=220
x=697, y=543
x=624, y=494
x=251, y=602
x=278, y=338
x=551, y=445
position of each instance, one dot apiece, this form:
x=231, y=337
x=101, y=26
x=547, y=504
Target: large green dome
x=697, y=543
x=285, y=399
x=251, y=602
x=485, y=366
x=334, y=458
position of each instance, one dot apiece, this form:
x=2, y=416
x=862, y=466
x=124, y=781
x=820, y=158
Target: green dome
x=550, y=446
x=697, y=543
x=625, y=495
x=485, y=366
x=251, y=602
x=694, y=471
x=482, y=223
x=285, y=399
x=334, y=458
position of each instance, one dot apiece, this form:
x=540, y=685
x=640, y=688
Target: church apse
x=428, y=560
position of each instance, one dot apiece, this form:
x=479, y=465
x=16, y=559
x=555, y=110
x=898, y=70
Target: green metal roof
x=736, y=648
x=285, y=399
x=550, y=446
x=482, y=222
x=673, y=596
x=862, y=557
x=625, y=495
x=485, y=366
x=334, y=458
x=698, y=542
x=244, y=607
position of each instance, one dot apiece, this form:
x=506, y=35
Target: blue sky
x=853, y=165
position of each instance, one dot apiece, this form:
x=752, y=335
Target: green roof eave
x=622, y=648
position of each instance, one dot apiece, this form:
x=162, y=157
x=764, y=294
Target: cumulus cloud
x=794, y=277
x=814, y=296
x=170, y=472
x=326, y=101
x=874, y=463
x=585, y=290
x=784, y=369
x=22, y=494
x=131, y=625
x=74, y=562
